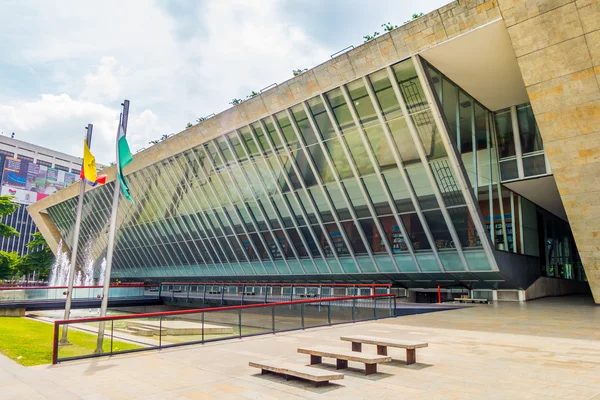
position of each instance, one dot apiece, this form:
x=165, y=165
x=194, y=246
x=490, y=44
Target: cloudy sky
x=67, y=63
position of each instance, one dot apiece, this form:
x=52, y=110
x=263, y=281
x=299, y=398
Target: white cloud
x=103, y=85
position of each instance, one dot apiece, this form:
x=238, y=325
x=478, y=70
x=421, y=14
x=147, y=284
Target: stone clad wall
x=436, y=27
x=557, y=44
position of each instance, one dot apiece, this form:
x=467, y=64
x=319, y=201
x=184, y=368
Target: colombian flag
x=88, y=172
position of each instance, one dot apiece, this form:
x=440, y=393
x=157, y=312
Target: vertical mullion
x=517, y=140
x=317, y=176
x=491, y=175
x=521, y=239
x=513, y=219
x=470, y=201
x=342, y=189
x=382, y=183
x=474, y=149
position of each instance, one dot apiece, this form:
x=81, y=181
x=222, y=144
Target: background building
x=30, y=173
x=459, y=149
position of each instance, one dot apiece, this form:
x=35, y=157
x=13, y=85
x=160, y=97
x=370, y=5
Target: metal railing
x=36, y=294
x=241, y=293
x=140, y=332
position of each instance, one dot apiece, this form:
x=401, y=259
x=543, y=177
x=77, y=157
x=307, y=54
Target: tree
x=7, y=207
x=9, y=264
x=40, y=258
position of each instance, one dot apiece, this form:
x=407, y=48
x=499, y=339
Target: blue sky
x=67, y=63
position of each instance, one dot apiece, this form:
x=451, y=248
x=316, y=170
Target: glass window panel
x=271, y=241
x=341, y=163
x=415, y=231
x=373, y=235
x=411, y=88
x=385, y=95
x=481, y=117
x=429, y=134
x=321, y=118
x=534, y=165
x=465, y=229
x=504, y=133
x=362, y=102
x=356, y=198
x=340, y=110
x=286, y=128
x=422, y=186
x=394, y=234
x=531, y=140
x=337, y=239
x=248, y=140
x=224, y=147
x=237, y=146
x=321, y=163
x=399, y=191
x=260, y=135
x=380, y=146
x=439, y=230
x=377, y=195
x=312, y=246
x=359, y=153
x=303, y=125
x=306, y=204
x=272, y=133
x=404, y=142
x=322, y=205
x=508, y=169
x=304, y=168
x=297, y=242
x=465, y=122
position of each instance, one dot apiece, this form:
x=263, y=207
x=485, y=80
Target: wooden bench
x=342, y=357
x=468, y=300
x=383, y=343
x=318, y=376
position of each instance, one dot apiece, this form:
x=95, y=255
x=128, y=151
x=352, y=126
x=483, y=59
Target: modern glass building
x=377, y=166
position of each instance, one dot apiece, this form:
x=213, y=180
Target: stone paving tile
x=545, y=349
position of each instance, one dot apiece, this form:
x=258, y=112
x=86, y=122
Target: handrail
x=121, y=285
x=205, y=310
x=298, y=284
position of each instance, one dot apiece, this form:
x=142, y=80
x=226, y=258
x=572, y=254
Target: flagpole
x=64, y=340
x=111, y=233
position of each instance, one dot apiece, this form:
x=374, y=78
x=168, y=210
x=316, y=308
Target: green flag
x=124, y=158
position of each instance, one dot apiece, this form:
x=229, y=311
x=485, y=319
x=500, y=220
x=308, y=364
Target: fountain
x=59, y=273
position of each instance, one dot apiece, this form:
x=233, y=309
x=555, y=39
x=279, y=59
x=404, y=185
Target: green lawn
x=29, y=342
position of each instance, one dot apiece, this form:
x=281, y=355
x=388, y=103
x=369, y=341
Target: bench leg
x=370, y=369
x=321, y=384
x=287, y=377
x=315, y=360
x=382, y=350
x=356, y=346
x=411, y=356
x=341, y=364
x=264, y=372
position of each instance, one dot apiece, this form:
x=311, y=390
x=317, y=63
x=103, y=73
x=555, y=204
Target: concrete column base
x=12, y=312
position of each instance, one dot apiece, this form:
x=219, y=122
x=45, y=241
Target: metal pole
x=82, y=184
x=113, y=228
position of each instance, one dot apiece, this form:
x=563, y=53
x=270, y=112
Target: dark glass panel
x=304, y=125
x=531, y=140
x=321, y=118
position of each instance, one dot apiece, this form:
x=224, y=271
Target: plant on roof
x=189, y=125
x=388, y=27
x=201, y=119
x=415, y=16
x=297, y=72
x=252, y=94
x=235, y=102
x=368, y=38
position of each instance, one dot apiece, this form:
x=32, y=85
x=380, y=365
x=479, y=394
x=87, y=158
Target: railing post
x=55, y=343
x=222, y=294
x=273, y=317
x=243, y=293
x=203, y=320
x=374, y=308
x=160, y=332
x=240, y=321
x=159, y=290
x=292, y=293
x=112, y=329
x=266, y=294
x=188, y=287
x=302, y=314
x=204, y=295
x=353, y=310
x=329, y=312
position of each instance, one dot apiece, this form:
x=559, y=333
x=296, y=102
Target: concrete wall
x=557, y=44
x=545, y=287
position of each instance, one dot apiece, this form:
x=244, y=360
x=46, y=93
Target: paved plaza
x=544, y=349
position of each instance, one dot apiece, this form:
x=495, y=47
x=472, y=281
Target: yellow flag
x=89, y=164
